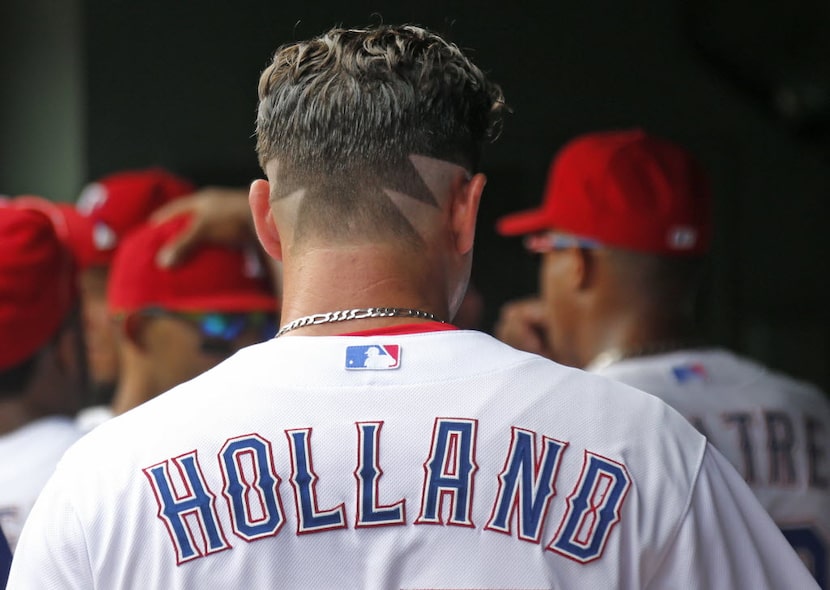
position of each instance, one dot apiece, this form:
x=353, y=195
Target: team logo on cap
x=373, y=357
x=91, y=198
x=103, y=237
x=682, y=237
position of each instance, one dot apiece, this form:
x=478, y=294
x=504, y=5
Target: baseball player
x=623, y=232
x=174, y=323
x=111, y=207
x=41, y=360
x=106, y=211
x=459, y=462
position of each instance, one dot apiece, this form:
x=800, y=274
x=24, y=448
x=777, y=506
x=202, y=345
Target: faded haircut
x=342, y=114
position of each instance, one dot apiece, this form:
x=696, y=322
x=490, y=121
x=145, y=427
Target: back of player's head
x=343, y=116
x=37, y=289
x=372, y=96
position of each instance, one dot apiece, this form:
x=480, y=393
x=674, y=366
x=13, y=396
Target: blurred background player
x=42, y=366
x=623, y=233
x=174, y=323
x=114, y=205
x=106, y=211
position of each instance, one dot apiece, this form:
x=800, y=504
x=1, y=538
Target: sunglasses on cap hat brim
x=550, y=241
x=220, y=330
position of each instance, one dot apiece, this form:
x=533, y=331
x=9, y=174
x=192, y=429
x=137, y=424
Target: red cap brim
x=523, y=222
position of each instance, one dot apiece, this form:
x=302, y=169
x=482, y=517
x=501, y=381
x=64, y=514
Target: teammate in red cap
x=42, y=372
x=174, y=324
x=371, y=444
x=106, y=211
x=623, y=231
x=112, y=207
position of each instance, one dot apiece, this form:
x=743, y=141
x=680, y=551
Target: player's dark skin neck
x=135, y=383
x=14, y=414
x=51, y=391
x=637, y=326
x=18, y=411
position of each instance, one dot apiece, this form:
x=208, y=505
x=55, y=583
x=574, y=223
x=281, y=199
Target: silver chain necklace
x=344, y=315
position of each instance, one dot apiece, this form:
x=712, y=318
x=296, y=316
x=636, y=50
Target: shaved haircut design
x=345, y=114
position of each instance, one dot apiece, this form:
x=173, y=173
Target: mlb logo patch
x=373, y=357
x=689, y=372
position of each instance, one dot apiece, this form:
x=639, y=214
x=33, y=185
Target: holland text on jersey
x=526, y=486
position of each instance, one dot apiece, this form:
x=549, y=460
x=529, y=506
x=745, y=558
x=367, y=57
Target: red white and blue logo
x=689, y=373
x=375, y=357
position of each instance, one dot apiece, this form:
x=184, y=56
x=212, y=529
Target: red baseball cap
x=37, y=283
x=214, y=278
x=73, y=228
x=117, y=203
x=626, y=189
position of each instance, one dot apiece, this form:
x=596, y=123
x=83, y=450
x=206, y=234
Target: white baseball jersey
x=773, y=429
x=28, y=457
x=457, y=463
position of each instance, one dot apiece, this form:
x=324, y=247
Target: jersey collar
x=414, y=328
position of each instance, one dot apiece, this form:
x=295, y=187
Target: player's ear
x=583, y=268
x=466, y=198
x=259, y=197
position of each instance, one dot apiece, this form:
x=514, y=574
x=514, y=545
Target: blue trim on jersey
x=808, y=543
x=5, y=559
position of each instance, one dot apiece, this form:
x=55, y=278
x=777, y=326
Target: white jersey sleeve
x=59, y=557
x=733, y=545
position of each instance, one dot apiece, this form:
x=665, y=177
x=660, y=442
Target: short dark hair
x=371, y=96
x=14, y=380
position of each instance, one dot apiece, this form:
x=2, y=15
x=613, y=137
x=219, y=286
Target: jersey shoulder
x=701, y=375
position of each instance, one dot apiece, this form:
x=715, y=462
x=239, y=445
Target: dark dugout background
x=88, y=87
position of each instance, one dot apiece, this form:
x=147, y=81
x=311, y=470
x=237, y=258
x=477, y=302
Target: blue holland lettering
x=368, y=474
x=190, y=517
x=251, y=487
x=449, y=471
x=304, y=481
x=593, y=509
x=526, y=485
